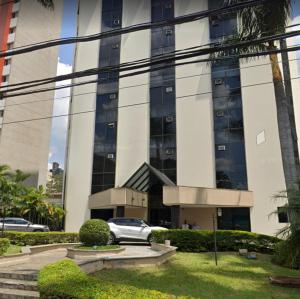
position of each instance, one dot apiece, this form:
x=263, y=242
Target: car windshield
x=145, y=222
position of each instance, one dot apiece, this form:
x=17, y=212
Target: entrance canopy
x=140, y=180
x=206, y=197
x=118, y=197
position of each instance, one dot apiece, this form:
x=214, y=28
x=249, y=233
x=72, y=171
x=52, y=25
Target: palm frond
x=47, y=3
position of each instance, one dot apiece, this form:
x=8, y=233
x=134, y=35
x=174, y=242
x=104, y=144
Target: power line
x=134, y=28
x=159, y=59
x=145, y=84
x=137, y=104
x=257, y=54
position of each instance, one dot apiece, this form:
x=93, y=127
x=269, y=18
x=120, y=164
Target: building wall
x=81, y=129
x=201, y=217
x=133, y=121
x=195, y=141
x=25, y=145
x=195, y=128
x=263, y=154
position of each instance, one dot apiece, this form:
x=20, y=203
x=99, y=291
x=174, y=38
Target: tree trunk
x=290, y=165
x=3, y=218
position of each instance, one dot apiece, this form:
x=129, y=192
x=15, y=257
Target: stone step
x=18, y=284
x=18, y=294
x=20, y=275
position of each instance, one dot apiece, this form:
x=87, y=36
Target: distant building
x=25, y=145
x=179, y=145
x=56, y=169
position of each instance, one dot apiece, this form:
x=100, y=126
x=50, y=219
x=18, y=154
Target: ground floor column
x=175, y=217
x=120, y=211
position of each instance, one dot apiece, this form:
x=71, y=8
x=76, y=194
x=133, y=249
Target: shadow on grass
x=195, y=276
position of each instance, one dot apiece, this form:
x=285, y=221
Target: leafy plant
x=203, y=240
x=287, y=253
x=94, y=232
x=4, y=245
x=23, y=239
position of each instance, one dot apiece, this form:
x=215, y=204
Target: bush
x=203, y=240
x=4, y=245
x=287, y=254
x=65, y=280
x=23, y=239
x=94, y=232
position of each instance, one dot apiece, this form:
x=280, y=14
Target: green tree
x=11, y=189
x=55, y=184
x=271, y=17
x=287, y=252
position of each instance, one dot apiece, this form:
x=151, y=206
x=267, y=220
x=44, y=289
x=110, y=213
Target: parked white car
x=22, y=225
x=130, y=229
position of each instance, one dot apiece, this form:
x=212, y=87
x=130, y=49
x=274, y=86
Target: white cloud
x=59, y=124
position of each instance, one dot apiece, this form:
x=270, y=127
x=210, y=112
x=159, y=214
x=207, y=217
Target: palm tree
x=288, y=251
x=271, y=17
x=47, y=3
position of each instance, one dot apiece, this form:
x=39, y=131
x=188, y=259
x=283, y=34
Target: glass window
x=156, y=127
x=282, y=215
x=169, y=125
x=97, y=179
x=109, y=178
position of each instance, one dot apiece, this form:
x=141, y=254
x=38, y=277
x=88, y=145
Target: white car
x=130, y=229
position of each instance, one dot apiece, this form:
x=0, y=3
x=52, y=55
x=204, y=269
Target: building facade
x=25, y=145
x=178, y=145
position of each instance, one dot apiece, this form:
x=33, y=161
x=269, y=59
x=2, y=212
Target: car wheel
x=111, y=239
x=150, y=238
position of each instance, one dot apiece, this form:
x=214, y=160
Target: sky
x=65, y=62
x=61, y=103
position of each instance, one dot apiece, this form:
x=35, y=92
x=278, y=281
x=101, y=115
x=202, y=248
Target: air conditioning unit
x=169, y=32
x=170, y=151
x=113, y=96
x=169, y=89
x=169, y=119
x=219, y=81
x=110, y=156
x=220, y=113
x=222, y=148
x=116, y=22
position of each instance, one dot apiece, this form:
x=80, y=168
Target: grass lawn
x=13, y=249
x=105, y=247
x=192, y=275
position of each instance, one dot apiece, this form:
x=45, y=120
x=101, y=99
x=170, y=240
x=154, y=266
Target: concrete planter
x=74, y=253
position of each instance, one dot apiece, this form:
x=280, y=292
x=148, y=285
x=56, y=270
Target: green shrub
x=4, y=245
x=65, y=280
x=287, y=254
x=94, y=232
x=23, y=239
x=203, y=240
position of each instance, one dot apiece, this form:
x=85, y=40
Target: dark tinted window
x=282, y=216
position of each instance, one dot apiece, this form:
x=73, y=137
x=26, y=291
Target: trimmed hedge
x=94, y=232
x=203, y=240
x=4, y=245
x=65, y=280
x=23, y=239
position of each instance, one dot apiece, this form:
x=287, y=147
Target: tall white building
x=25, y=145
x=178, y=145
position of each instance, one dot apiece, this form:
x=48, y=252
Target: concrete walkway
x=34, y=263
